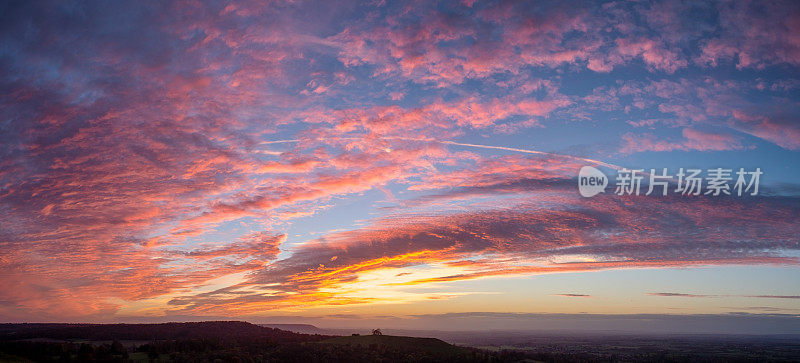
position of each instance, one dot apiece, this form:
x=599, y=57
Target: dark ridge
x=162, y=331
x=297, y=328
x=219, y=341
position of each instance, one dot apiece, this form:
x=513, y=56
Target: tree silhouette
x=377, y=332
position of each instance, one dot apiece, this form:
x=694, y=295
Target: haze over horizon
x=406, y=163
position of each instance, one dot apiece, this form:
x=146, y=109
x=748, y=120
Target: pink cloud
x=692, y=140
x=781, y=130
x=751, y=41
x=260, y=246
x=653, y=53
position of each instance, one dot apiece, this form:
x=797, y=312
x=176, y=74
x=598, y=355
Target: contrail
x=478, y=146
x=530, y=152
x=279, y=142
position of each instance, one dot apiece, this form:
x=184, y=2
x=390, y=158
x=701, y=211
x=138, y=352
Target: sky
x=405, y=160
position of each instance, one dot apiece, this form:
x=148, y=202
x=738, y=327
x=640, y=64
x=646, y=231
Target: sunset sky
x=375, y=160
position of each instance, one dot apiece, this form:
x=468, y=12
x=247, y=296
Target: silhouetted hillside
x=223, y=341
x=164, y=331
x=297, y=328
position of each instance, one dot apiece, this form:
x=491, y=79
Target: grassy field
x=432, y=345
x=12, y=358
